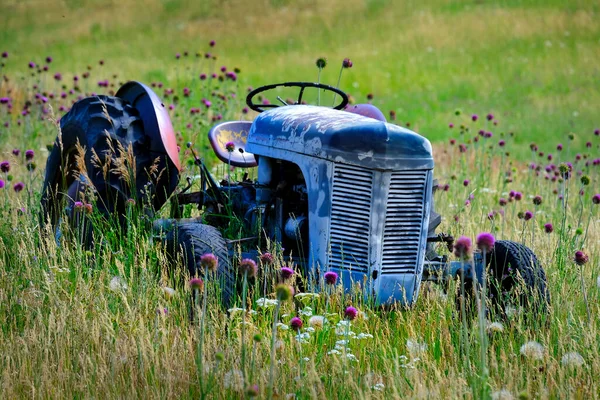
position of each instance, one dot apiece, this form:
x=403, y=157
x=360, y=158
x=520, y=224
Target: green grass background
x=534, y=64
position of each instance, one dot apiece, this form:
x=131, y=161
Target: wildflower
x=485, y=242
x=229, y=146
x=502, y=394
x=331, y=277
x=296, y=324
x=462, y=248
x=286, y=273
x=580, y=258
x=31, y=64
x=364, y=336
x=196, y=284
x=248, y=267
x=5, y=166
x=527, y=215
x=347, y=63
x=351, y=357
x=266, y=303
x=306, y=311
x=4, y=54
x=502, y=201
x=317, y=321
x=209, y=262
x=284, y=292
x=495, y=327
x=572, y=359
x=168, y=292
x=2, y=184
x=350, y=313
x=19, y=186
x=321, y=62
x=88, y=208
x=532, y=350
x=466, y=182
x=334, y=351
x=548, y=227
x=306, y=298
x=378, y=387
x=282, y=326
x=415, y=348
x=117, y=284
x=490, y=117
x=474, y=117
x=596, y=199
x=78, y=205
x=518, y=196
x=537, y=200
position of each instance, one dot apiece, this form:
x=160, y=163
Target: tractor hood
x=338, y=136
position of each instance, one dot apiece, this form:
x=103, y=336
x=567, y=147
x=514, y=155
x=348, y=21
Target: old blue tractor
x=337, y=188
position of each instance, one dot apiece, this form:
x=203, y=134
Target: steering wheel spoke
x=259, y=107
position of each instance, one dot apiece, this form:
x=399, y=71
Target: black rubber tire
x=96, y=122
x=194, y=240
x=515, y=275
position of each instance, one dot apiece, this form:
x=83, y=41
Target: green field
x=113, y=320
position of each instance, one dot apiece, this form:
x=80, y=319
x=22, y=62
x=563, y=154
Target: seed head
x=331, y=277
x=321, y=62
x=350, y=313
x=485, y=242
x=196, y=283
x=296, y=324
x=209, y=262
x=463, y=248
x=572, y=359
x=580, y=258
x=533, y=350
x=284, y=292
x=316, y=321
x=248, y=267
x=585, y=180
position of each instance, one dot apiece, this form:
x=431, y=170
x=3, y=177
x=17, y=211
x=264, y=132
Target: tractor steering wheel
x=302, y=85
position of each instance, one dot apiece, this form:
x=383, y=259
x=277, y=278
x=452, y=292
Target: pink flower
x=229, y=146
x=248, y=267
x=463, y=247
x=580, y=258
x=266, y=258
x=286, y=273
x=350, y=313
x=296, y=324
x=548, y=227
x=209, y=262
x=196, y=283
x=485, y=242
x=331, y=277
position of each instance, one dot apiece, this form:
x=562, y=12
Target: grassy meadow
x=508, y=93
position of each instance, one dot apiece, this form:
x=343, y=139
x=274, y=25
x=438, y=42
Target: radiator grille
x=350, y=218
x=403, y=222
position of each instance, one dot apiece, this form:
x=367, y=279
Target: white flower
x=58, y=269
x=533, y=350
x=234, y=380
x=168, y=292
x=572, y=359
x=283, y=327
x=364, y=336
x=502, y=395
x=117, y=284
x=306, y=298
x=415, y=348
x=303, y=337
x=378, y=387
x=316, y=321
x=342, y=332
x=306, y=359
x=351, y=357
x=266, y=303
x=495, y=327
x=339, y=347
x=511, y=311
x=233, y=311
x=343, y=323
x=307, y=311
x=309, y=329
x=334, y=351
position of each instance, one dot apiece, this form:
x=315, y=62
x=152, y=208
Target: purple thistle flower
x=502, y=201
x=5, y=166
x=223, y=68
x=537, y=200
x=463, y=247
x=29, y=154
x=528, y=215
x=202, y=77
x=177, y=56
x=347, y=63
x=209, y=262
x=474, y=117
x=196, y=283
x=580, y=258
x=466, y=182
x=450, y=125
x=596, y=199
x=596, y=131
x=286, y=273
x=490, y=116
x=19, y=186
x=518, y=196
x=559, y=147
x=2, y=184
x=331, y=277
x=248, y=267
x=212, y=43
x=266, y=259
x=350, y=313
x=58, y=76
x=548, y=227
x=485, y=242
x=31, y=64
x=230, y=146
x=5, y=54
x=296, y=324
x=501, y=143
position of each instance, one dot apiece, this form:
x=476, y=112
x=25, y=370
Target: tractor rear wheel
x=194, y=240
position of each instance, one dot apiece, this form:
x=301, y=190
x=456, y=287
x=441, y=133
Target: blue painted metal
x=369, y=186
